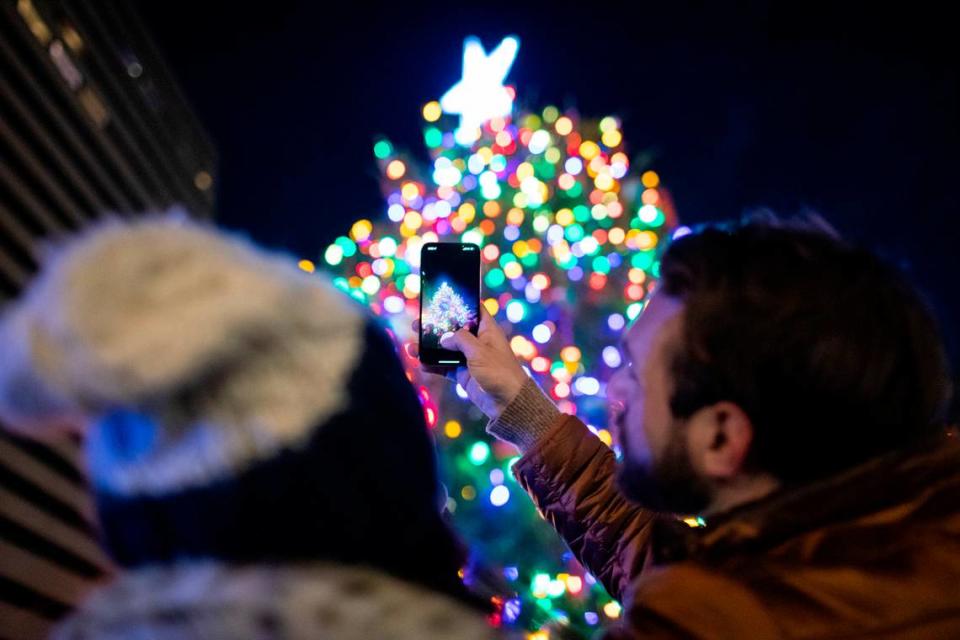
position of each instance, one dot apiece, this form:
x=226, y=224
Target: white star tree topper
x=480, y=95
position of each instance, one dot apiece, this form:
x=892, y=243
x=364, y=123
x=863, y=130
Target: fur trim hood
x=189, y=325
x=325, y=601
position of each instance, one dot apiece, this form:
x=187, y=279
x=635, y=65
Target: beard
x=669, y=484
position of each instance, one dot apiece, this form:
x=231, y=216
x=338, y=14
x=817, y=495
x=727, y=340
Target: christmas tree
x=446, y=311
x=570, y=232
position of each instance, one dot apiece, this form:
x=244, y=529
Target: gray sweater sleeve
x=526, y=419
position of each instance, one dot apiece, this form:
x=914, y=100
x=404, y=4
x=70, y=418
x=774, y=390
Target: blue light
x=511, y=610
x=681, y=231
x=611, y=356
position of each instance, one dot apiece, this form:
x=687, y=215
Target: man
x=788, y=389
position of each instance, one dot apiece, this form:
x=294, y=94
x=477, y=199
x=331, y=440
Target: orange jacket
x=872, y=553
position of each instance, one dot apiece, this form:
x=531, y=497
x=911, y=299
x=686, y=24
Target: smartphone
x=449, y=298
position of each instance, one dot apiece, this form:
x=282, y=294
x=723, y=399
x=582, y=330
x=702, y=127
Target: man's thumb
x=462, y=341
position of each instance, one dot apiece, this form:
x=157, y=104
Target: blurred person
x=788, y=389
x=260, y=463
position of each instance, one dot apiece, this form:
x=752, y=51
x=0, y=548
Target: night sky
x=851, y=114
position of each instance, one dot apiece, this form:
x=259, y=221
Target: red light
x=364, y=269
x=597, y=281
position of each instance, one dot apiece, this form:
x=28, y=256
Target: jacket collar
x=909, y=478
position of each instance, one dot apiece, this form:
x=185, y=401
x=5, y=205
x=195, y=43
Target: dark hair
x=828, y=349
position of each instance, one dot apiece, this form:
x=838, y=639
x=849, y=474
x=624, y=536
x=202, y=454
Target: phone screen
x=449, y=297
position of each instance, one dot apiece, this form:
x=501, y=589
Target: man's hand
x=492, y=377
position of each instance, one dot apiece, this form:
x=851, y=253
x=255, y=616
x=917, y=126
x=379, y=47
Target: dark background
x=849, y=111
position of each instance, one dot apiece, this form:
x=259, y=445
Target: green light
x=575, y=191
x=545, y=171
x=601, y=265
x=581, y=213
x=658, y=219
x=507, y=258
x=400, y=268
x=634, y=310
x=532, y=121
x=530, y=260
x=550, y=113
x=498, y=163
x=382, y=149
x=573, y=233
x=479, y=452
x=651, y=215
x=341, y=283
x=495, y=278
x=348, y=246
x=433, y=137
x=642, y=260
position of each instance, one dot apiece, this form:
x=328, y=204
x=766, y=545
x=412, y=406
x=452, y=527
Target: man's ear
x=719, y=439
